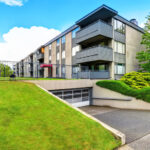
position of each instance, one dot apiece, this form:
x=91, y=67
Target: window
x=50, y=58
x=74, y=32
x=57, y=42
x=63, y=40
x=57, y=56
x=75, y=69
x=50, y=46
x=57, y=70
x=63, y=70
x=119, y=69
x=63, y=54
x=99, y=67
x=119, y=26
x=75, y=50
x=119, y=47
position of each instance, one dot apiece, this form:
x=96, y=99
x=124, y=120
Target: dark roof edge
x=94, y=11
x=61, y=34
x=122, y=19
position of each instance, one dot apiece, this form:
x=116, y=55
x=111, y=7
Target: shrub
x=136, y=80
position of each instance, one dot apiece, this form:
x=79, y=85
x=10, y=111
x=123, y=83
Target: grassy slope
x=31, y=119
x=123, y=88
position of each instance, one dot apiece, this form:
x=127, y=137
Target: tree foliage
x=5, y=70
x=144, y=55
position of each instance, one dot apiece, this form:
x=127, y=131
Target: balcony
x=40, y=56
x=92, y=75
x=93, y=54
x=98, y=28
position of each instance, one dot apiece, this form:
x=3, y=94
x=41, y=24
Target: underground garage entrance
x=77, y=97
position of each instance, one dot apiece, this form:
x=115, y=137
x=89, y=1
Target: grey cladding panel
x=63, y=61
x=74, y=42
x=119, y=37
x=73, y=60
x=118, y=76
x=94, y=29
x=119, y=58
x=93, y=54
x=57, y=49
x=63, y=46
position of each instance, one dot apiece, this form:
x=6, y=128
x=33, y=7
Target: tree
x=144, y=55
x=5, y=70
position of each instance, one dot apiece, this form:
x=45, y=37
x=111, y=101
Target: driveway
x=135, y=124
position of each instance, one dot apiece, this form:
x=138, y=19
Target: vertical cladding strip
x=46, y=60
x=28, y=66
x=19, y=69
x=53, y=54
x=68, y=55
x=133, y=38
x=24, y=67
x=60, y=56
x=34, y=65
x=112, y=65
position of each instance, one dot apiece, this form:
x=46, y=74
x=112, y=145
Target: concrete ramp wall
x=106, y=97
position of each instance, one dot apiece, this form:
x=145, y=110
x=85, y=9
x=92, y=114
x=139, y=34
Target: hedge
x=123, y=88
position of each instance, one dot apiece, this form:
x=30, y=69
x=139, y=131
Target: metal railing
x=92, y=75
x=34, y=70
x=40, y=56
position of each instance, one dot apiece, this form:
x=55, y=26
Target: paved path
x=135, y=124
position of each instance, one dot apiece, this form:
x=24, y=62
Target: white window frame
x=50, y=46
x=117, y=26
x=57, y=56
x=50, y=58
x=116, y=47
x=119, y=70
x=63, y=54
x=75, y=50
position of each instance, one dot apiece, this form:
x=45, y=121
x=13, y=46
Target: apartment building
x=101, y=45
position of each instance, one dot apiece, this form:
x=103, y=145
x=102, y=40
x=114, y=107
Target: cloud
x=142, y=25
x=20, y=42
x=13, y=2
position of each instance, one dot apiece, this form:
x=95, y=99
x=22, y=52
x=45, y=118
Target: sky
x=27, y=24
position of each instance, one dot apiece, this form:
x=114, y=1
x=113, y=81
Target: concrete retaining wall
x=63, y=84
x=105, y=97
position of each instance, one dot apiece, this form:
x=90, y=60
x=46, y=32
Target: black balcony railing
x=91, y=75
x=40, y=56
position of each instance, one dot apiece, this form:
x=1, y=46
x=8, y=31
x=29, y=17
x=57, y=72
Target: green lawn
x=31, y=119
x=24, y=78
x=123, y=88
